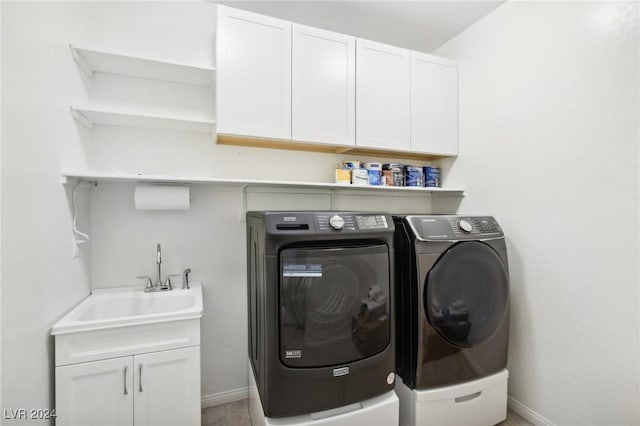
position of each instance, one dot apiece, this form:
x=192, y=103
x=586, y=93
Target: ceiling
x=416, y=25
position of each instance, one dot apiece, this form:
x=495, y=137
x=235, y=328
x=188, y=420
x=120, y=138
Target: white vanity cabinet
x=158, y=388
x=127, y=357
x=167, y=388
x=323, y=86
x=434, y=104
x=95, y=393
x=382, y=96
x=253, y=80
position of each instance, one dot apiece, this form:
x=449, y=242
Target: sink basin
x=110, y=308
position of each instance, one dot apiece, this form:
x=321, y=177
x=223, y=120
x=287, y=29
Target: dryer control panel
x=351, y=222
x=454, y=228
x=323, y=223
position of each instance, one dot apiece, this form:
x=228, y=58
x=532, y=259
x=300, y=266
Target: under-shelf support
x=67, y=180
x=82, y=63
x=243, y=213
x=81, y=118
x=333, y=199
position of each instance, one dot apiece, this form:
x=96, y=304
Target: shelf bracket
x=333, y=199
x=70, y=180
x=243, y=213
x=82, y=62
x=81, y=118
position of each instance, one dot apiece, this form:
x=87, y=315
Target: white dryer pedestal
x=379, y=411
x=481, y=402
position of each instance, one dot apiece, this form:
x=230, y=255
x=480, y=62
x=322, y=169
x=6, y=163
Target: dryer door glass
x=334, y=304
x=467, y=293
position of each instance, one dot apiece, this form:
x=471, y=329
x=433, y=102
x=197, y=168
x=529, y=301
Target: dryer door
x=334, y=304
x=467, y=292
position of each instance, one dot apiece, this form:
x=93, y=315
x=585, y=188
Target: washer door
x=334, y=304
x=466, y=294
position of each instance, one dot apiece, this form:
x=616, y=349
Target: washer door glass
x=334, y=304
x=467, y=293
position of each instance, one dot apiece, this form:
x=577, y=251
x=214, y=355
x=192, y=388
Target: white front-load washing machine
x=321, y=324
x=452, y=329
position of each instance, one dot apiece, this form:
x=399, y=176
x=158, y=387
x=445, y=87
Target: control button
x=465, y=225
x=336, y=222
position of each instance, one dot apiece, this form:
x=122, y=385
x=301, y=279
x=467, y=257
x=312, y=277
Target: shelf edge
x=73, y=177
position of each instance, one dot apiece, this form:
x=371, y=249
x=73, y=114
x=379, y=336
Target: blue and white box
x=432, y=177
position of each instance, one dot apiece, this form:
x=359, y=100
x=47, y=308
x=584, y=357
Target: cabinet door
x=434, y=104
x=253, y=75
x=323, y=86
x=167, y=388
x=382, y=96
x=95, y=393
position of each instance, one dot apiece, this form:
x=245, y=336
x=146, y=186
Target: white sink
x=110, y=308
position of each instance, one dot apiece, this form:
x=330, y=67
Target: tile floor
x=237, y=414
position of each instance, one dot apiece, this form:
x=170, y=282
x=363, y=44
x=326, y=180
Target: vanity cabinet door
x=95, y=393
x=253, y=81
x=167, y=387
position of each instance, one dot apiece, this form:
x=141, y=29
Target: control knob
x=336, y=222
x=465, y=225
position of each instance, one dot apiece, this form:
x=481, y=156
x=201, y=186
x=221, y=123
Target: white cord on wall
x=79, y=236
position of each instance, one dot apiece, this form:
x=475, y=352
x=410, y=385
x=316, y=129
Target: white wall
x=549, y=145
x=41, y=281
x=1, y=36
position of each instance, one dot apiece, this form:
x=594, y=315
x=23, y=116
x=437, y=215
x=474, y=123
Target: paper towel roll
x=153, y=196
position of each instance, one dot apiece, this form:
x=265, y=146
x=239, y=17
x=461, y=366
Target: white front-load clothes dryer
x=320, y=315
x=452, y=322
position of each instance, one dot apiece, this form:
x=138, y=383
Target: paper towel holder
x=162, y=196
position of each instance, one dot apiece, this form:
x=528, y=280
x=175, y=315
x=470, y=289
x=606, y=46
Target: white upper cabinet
x=289, y=82
x=323, y=86
x=254, y=75
x=382, y=96
x=434, y=105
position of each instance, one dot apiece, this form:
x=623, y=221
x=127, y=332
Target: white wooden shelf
x=69, y=178
x=89, y=117
x=91, y=61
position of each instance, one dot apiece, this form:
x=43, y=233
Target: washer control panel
x=478, y=226
x=350, y=222
x=325, y=223
x=452, y=228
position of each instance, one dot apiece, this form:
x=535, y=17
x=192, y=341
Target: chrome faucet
x=149, y=282
x=167, y=283
x=159, y=262
x=158, y=286
x=185, y=278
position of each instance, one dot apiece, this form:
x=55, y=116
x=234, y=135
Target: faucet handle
x=185, y=278
x=148, y=278
x=167, y=283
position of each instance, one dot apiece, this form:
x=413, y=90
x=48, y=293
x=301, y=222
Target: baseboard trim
x=225, y=397
x=527, y=413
